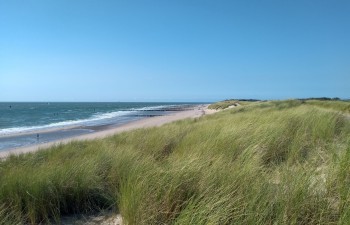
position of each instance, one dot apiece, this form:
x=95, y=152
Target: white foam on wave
x=153, y=107
x=97, y=117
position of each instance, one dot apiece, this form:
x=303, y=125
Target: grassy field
x=227, y=103
x=343, y=106
x=223, y=104
x=279, y=162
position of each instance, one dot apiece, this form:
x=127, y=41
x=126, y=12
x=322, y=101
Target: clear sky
x=189, y=50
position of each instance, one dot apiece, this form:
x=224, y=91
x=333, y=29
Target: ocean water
x=23, y=124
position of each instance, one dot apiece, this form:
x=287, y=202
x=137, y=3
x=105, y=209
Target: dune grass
x=232, y=102
x=343, y=106
x=280, y=162
x=223, y=104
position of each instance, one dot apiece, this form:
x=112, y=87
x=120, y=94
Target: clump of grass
x=55, y=182
x=280, y=162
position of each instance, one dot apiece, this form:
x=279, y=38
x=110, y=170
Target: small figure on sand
x=37, y=137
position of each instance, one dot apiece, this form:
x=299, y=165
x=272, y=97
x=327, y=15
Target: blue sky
x=186, y=50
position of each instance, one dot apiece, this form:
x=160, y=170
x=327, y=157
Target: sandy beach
x=143, y=123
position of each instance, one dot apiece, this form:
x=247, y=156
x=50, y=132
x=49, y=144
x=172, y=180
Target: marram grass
x=281, y=162
x=223, y=104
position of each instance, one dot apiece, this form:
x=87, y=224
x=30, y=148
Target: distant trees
x=321, y=99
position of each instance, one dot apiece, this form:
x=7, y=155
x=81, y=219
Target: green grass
x=279, y=162
x=343, y=106
x=223, y=104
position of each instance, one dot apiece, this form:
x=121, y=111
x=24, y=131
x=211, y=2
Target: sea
x=30, y=123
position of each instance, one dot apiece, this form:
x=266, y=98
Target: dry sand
x=211, y=111
x=143, y=123
x=104, y=218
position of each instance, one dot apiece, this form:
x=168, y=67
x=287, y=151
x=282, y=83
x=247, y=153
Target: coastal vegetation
x=274, y=162
x=224, y=104
x=343, y=106
x=231, y=102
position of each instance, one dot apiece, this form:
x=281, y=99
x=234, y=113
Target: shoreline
x=195, y=112
x=42, y=129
